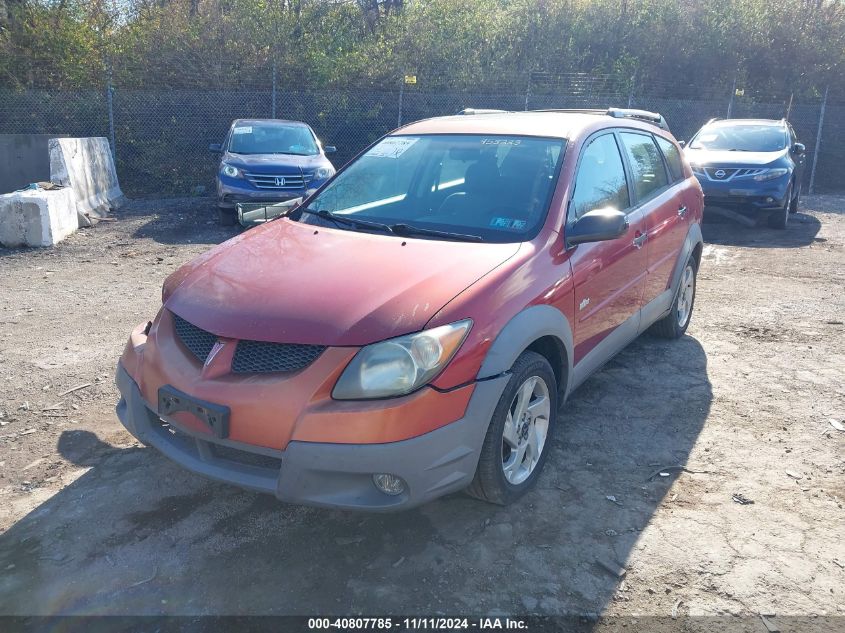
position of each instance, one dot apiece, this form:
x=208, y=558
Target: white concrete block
x=86, y=166
x=36, y=217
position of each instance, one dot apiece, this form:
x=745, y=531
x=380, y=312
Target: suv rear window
x=646, y=163
x=495, y=187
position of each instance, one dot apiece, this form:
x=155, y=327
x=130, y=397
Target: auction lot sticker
x=392, y=147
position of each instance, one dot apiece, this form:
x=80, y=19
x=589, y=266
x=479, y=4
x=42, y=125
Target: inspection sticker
x=392, y=147
x=508, y=223
x=247, y=129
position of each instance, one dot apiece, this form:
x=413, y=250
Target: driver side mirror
x=329, y=149
x=598, y=225
x=798, y=149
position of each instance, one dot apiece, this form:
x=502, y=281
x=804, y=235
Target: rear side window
x=646, y=164
x=600, y=181
x=673, y=158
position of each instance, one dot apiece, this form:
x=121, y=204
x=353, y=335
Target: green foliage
x=669, y=45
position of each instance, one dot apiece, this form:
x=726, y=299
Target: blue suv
x=268, y=161
x=749, y=165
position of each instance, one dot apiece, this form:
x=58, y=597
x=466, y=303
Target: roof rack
x=468, y=111
x=640, y=115
x=618, y=113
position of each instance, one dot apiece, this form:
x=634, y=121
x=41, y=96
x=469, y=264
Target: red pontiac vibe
x=410, y=329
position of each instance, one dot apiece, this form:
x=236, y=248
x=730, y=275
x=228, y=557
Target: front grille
x=196, y=340
x=276, y=182
x=260, y=357
x=725, y=173
x=251, y=357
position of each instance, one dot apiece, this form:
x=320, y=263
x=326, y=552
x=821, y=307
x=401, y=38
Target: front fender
x=520, y=332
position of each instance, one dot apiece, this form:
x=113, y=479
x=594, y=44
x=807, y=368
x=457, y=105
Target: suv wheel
x=675, y=324
x=793, y=206
x=227, y=217
x=516, y=444
x=779, y=219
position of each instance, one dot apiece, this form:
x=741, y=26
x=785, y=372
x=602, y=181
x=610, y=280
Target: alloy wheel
x=526, y=429
x=686, y=296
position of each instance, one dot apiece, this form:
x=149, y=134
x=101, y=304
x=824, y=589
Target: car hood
x=725, y=159
x=289, y=282
x=274, y=163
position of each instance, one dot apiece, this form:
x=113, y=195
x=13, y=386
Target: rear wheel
x=779, y=219
x=675, y=324
x=227, y=217
x=516, y=444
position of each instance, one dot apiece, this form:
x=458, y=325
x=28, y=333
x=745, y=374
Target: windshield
x=272, y=138
x=741, y=138
x=494, y=187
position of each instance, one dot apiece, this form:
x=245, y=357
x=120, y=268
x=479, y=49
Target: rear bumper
x=323, y=474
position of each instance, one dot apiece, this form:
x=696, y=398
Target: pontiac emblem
x=214, y=351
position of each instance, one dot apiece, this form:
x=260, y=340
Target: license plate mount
x=215, y=416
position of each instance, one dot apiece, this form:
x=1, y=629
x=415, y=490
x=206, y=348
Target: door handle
x=682, y=211
x=640, y=239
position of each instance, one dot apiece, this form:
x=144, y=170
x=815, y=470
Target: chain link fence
x=160, y=138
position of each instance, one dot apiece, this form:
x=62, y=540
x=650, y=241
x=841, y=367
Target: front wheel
x=675, y=324
x=517, y=440
x=793, y=206
x=779, y=219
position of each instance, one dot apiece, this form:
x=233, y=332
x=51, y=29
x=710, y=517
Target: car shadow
x=136, y=534
x=801, y=230
x=178, y=221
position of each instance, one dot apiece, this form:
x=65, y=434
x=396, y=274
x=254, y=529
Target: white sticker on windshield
x=706, y=138
x=392, y=147
x=247, y=129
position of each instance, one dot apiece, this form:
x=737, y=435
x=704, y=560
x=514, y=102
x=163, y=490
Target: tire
x=793, y=206
x=674, y=325
x=779, y=219
x=531, y=372
x=227, y=217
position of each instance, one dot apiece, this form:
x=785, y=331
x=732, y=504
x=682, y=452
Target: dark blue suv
x=749, y=165
x=268, y=161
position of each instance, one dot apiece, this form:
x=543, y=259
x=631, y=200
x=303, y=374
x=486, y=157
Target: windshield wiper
x=409, y=229
x=343, y=219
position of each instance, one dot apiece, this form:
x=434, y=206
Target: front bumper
x=231, y=191
x=323, y=474
x=746, y=194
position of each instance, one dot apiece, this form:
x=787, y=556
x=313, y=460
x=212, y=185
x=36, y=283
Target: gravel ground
x=92, y=523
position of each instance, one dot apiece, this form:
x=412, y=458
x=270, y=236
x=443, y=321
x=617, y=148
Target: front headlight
x=771, y=174
x=323, y=172
x=230, y=171
x=400, y=365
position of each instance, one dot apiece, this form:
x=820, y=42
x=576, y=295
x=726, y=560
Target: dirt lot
x=93, y=523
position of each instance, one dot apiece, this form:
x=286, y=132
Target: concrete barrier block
x=37, y=217
x=86, y=166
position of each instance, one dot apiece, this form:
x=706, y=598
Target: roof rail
x=715, y=118
x=640, y=115
x=468, y=111
x=574, y=110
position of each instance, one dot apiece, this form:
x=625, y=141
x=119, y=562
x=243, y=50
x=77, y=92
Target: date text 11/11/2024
x=417, y=623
